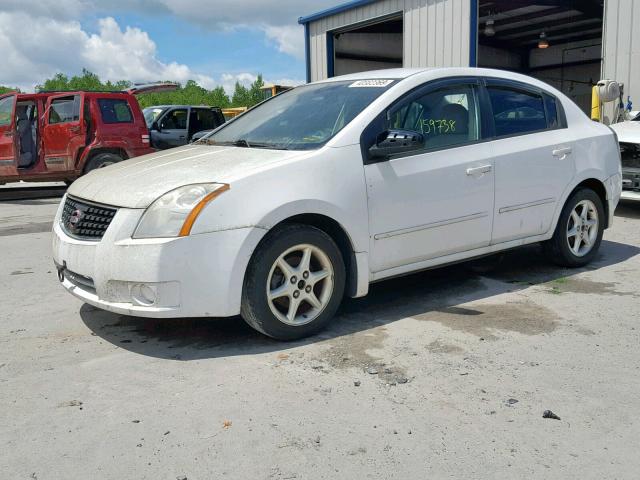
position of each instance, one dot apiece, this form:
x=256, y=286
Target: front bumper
x=196, y=276
x=630, y=183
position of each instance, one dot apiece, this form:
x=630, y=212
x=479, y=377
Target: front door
x=8, y=165
x=173, y=129
x=439, y=200
x=64, y=131
x=534, y=160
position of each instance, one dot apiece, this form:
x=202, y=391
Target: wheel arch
x=599, y=188
x=94, y=152
x=339, y=235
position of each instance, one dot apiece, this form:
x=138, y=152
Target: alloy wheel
x=582, y=228
x=300, y=284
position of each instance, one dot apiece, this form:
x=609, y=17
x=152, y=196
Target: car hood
x=628, y=132
x=136, y=183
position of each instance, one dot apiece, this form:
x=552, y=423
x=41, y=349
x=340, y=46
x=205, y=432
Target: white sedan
x=324, y=189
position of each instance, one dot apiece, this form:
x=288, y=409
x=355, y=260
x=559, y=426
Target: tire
x=102, y=160
x=563, y=249
x=273, y=266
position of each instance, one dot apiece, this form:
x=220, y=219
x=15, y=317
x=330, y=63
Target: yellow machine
x=233, y=112
x=607, y=92
x=271, y=90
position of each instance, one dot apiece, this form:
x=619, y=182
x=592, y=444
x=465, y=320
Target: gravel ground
x=443, y=374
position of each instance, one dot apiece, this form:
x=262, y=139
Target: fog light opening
x=144, y=295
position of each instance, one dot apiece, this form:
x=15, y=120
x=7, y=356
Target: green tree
x=191, y=93
x=241, y=96
x=248, y=97
x=4, y=90
x=255, y=92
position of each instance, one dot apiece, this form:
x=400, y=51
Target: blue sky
x=213, y=42
x=215, y=52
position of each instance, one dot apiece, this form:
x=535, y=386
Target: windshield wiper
x=244, y=144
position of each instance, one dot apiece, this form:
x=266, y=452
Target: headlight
x=173, y=214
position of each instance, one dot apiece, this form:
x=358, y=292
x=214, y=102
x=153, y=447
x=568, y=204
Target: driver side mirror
x=156, y=126
x=393, y=142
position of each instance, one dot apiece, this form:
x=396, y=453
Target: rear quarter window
x=114, y=110
x=64, y=110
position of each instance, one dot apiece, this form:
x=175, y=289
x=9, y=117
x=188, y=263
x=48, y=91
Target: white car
x=324, y=189
x=629, y=138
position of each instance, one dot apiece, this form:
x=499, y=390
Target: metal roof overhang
x=343, y=7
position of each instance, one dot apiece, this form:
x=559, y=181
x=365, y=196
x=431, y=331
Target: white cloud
x=287, y=38
x=277, y=19
x=39, y=38
x=54, y=46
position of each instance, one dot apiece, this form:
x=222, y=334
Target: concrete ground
x=443, y=374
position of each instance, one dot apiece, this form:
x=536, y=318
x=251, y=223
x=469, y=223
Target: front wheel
x=294, y=283
x=578, y=234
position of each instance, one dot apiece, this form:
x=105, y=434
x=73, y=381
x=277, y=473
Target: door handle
x=476, y=171
x=74, y=129
x=8, y=134
x=562, y=153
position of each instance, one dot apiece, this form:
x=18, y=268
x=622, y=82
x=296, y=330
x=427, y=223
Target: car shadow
x=628, y=209
x=416, y=295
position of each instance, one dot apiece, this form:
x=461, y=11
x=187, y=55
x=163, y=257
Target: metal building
x=570, y=44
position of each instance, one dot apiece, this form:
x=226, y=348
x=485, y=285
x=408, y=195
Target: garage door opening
x=370, y=46
x=556, y=41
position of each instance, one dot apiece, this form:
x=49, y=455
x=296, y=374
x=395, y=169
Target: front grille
x=84, y=220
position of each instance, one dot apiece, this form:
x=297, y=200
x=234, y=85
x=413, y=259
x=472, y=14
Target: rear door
x=202, y=119
x=64, y=131
x=533, y=158
x=7, y=136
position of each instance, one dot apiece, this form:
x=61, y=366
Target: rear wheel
x=294, y=283
x=578, y=234
x=102, y=160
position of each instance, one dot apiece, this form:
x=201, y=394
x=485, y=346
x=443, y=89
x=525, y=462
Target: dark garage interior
x=557, y=41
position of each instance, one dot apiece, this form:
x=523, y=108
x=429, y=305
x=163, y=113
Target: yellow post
x=596, y=107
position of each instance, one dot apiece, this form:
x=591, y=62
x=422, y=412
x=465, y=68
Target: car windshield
x=151, y=114
x=304, y=118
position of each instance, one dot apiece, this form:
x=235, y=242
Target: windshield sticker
x=371, y=84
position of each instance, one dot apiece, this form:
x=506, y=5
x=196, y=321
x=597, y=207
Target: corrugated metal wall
x=436, y=32
x=621, y=46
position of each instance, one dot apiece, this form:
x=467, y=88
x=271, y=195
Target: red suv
x=54, y=136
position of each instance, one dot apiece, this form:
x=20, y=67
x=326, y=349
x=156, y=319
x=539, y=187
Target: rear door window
x=115, y=110
x=517, y=112
x=65, y=110
x=206, y=118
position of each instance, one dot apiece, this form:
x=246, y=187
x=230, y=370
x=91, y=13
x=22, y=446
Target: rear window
x=6, y=110
x=517, y=112
x=64, y=110
x=115, y=110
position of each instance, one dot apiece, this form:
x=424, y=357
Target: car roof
x=404, y=73
x=180, y=106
